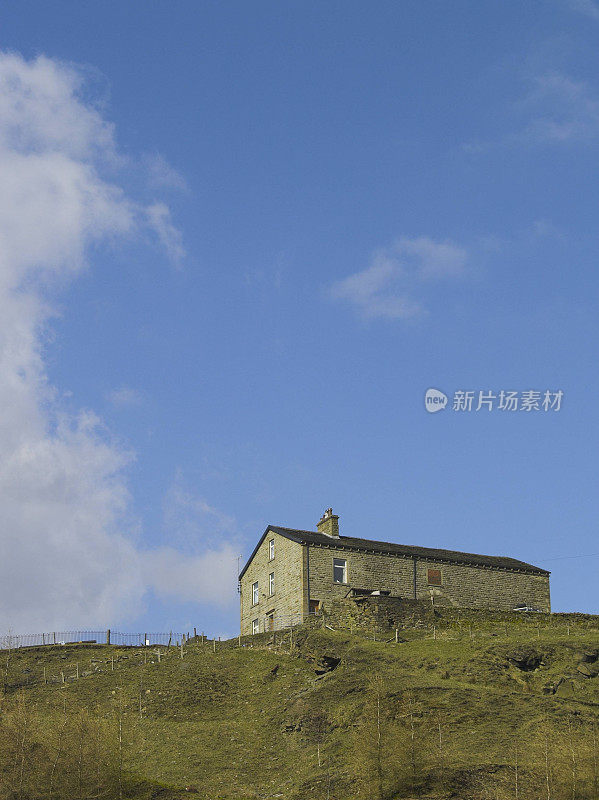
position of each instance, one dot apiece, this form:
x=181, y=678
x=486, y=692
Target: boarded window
x=434, y=577
x=270, y=621
x=314, y=606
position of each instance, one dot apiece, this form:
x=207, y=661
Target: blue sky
x=330, y=207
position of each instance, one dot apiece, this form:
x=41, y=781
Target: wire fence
x=450, y=628
x=12, y=641
x=264, y=624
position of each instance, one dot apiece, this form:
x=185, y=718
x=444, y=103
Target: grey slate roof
x=402, y=550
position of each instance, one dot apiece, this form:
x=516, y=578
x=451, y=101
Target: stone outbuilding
x=295, y=573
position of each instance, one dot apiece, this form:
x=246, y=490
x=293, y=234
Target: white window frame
x=337, y=562
x=255, y=626
x=271, y=584
x=255, y=593
x=271, y=549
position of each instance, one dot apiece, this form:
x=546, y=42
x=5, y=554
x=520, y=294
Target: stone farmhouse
x=293, y=574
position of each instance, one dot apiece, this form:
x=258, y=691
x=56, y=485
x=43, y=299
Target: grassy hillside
x=464, y=705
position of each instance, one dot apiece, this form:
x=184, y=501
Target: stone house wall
x=461, y=585
x=478, y=587
x=290, y=597
x=364, y=571
x=303, y=572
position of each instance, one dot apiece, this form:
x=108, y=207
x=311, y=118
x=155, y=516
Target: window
x=271, y=549
x=314, y=606
x=434, y=577
x=255, y=627
x=270, y=621
x=339, y=570
x=271, y=583
x=255, y=596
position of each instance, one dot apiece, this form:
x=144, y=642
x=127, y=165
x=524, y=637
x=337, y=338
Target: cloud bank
x=386, y=288
x=68, y=552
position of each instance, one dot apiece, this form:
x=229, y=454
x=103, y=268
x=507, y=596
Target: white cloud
x=198, y=578
x=161, y=175
x=385, y=288
x=554, y=108
x=188, y=569
x=586, y=7
x=159, y=217
x=561, y=109
x=189, y=518
x=123, y=397
x=68, y=552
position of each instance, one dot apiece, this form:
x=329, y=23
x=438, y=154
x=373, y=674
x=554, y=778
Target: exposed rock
x=551, y=688
x=327, y=664
x=526, y=660
x=566, y=688
x=588, y=656
x=587, y=671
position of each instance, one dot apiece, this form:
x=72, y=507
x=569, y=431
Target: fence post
x=108, y=636
x=54, y=634
x=43, y=638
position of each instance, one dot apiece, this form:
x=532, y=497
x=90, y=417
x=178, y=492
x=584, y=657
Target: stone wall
x=461, y=585
x=364, y=571
x=378, y=613
x=385, y=614
x=476, y=587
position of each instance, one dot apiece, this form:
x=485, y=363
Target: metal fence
x=11, y=641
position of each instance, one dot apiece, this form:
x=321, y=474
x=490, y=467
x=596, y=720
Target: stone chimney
x=329, y=523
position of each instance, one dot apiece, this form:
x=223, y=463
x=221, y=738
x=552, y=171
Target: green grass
x=252, y=722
